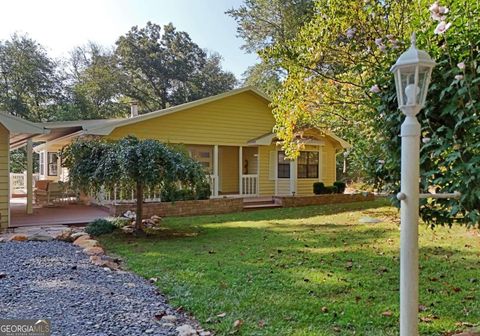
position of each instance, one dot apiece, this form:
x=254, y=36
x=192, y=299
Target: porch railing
x=250, y=184
x=122, y=194
x=212, y=180
x=18, y=182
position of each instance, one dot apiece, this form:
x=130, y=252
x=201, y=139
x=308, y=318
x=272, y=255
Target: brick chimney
x=133, y=108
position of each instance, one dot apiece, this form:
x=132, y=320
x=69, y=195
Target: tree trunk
x=138, y=219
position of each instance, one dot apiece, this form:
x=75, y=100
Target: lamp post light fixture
x=412, y=73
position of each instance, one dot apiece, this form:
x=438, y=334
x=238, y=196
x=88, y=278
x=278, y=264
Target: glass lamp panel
x=398, y=86
x=423, y=82
x=407, y=81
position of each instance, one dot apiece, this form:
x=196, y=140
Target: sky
x=60, y=25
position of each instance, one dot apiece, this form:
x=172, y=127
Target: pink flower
x=442, y=27
x=382, y=47
x=459, y=77
x=438, y=12
x=351, y=33
x=434, y=7
x=461, y=65
x=375, y=89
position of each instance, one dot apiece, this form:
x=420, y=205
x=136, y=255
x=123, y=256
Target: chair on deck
x=49, y=192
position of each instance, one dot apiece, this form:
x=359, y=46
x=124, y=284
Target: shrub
x=99, y=227
x=340, y=186
x=204, y=191
x=330, y=190
x=120, y=222
x=318, y=188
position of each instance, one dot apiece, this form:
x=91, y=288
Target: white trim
x=293, y=176
x=276, y=172
x=215, y=169
x=240, y=170
x=29, y=176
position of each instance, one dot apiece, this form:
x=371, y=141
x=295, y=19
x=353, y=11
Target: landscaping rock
x=65, y=235
x=39, y=236
x=3, y=275
x=186, y=330
x=41, y=280
x=76, y=235
x=128, y=229
x=18, y=237
x=84, y=243
x=169, y=319
x=104, y=261
x=156, y=218
x=94, y=250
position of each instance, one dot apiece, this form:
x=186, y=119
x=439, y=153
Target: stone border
x=299, y=201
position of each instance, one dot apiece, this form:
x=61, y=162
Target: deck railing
x=18, y=182
x=124, y=194
x=250, y=184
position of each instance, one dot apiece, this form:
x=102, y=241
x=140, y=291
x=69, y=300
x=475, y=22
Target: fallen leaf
x=324, y=309
x=222, y=315
x=237, y=324
x=422, y=308
x=387, y=313
x=261, y=323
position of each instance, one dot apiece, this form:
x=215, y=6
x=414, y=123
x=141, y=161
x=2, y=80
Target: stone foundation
x=182, y=208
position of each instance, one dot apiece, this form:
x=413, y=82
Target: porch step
x=259, y=203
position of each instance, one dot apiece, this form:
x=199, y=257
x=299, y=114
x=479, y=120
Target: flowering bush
x=450, y=152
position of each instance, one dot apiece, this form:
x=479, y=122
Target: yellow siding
x=230, y=121
x=329, y=164
x=266, y=185
x=4, y=172
x=228, y=169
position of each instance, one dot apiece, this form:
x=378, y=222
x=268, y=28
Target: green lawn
x=307, y=271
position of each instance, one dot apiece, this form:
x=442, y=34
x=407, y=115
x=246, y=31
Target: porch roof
x=267, y=139
x=20, y=129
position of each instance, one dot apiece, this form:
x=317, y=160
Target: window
x=41, y=163
x=307, y=166
x=204, y=156
x=283, y=166
x=52, y=164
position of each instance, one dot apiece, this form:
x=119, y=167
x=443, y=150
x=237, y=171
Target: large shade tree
x=166, y=68
x=338, y=77
x=96, y=165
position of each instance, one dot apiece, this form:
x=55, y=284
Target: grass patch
x=306, y=271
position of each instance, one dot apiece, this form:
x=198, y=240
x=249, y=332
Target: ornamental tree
x=95, y=164
x=337, y=77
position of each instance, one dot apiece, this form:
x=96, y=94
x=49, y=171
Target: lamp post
x=412, y=73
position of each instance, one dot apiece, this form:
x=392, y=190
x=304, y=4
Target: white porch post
x=215, y=170
x=240, y=170
x=276, y=173
x=293, y=175
x=29, y=176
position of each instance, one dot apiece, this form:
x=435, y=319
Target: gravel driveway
x=55, y=280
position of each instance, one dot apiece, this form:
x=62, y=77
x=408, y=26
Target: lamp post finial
x=413, y=39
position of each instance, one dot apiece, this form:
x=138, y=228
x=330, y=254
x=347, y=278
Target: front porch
x=65, y=214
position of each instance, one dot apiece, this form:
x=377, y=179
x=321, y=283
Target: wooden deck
x=67, y=214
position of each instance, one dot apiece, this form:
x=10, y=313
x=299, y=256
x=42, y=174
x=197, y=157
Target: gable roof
x=267, y=139
x=107, y=129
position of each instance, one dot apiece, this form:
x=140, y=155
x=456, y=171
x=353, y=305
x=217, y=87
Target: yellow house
x=230, y=134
